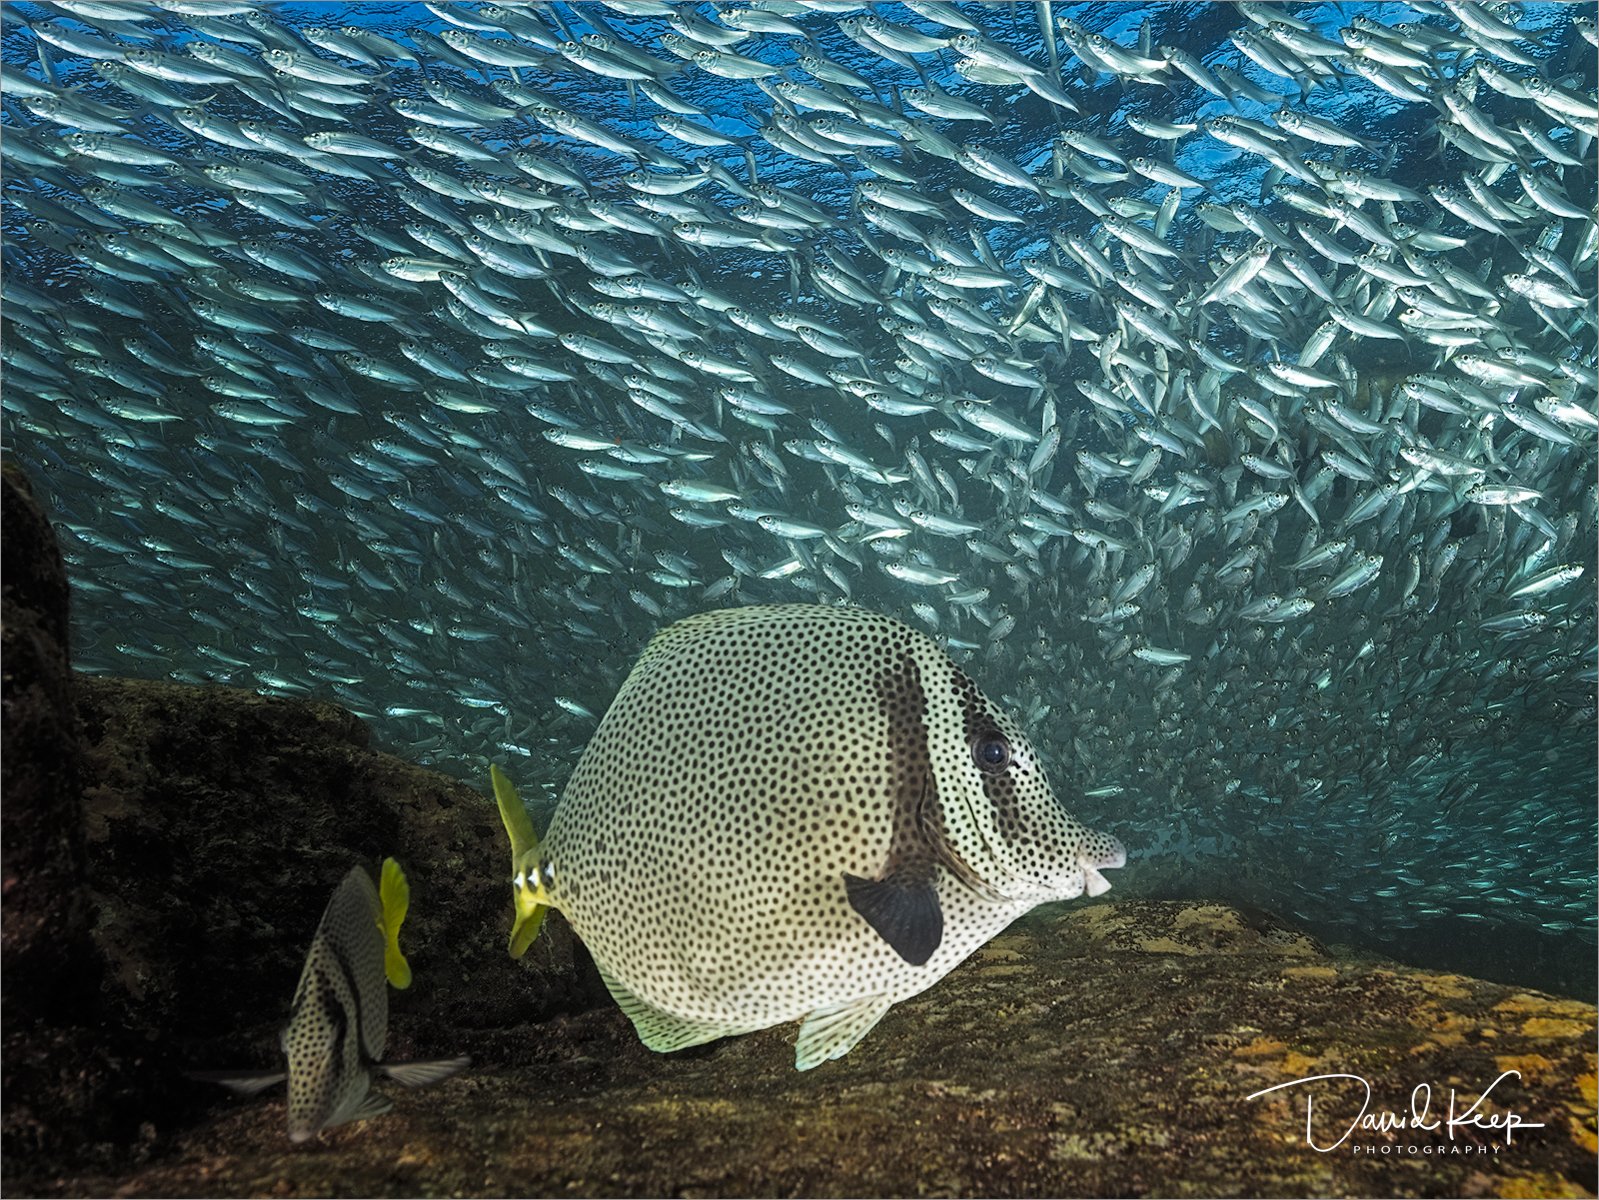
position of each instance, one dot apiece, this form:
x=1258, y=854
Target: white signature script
x=1418, y=1118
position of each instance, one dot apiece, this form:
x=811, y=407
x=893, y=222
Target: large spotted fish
x=794, y=812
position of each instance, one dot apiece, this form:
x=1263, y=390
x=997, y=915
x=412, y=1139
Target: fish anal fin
x=903, y=908
x=832, y=1032
x=661, y=1031
x=395, y=967
x=526, y=921
x=420, y=1074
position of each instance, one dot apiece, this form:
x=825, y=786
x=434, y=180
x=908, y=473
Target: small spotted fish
x=794, y=812
x=340, y=1018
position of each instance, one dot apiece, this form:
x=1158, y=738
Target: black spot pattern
x=340, y=1016
x=753, y=758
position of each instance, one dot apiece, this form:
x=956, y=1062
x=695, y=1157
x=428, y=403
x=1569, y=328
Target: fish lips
x=1103, y=852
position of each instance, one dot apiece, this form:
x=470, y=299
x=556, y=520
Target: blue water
x=1395, y=766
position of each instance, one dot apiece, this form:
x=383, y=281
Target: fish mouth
x=1094, y=883
x=1107, y=854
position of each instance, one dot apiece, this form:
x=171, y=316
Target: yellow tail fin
x=394, y=891
x=527, y=888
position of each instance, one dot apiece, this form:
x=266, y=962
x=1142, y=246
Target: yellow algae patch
x=1588, y=1086
x=1443, y=1028
x=1259, y=1048
x=1099, y=919
x=1441, y=1020
x=1530, y=1065
x=1530, y=1002
x=1575, y=1008
x=1446, y=987
x=1165, y=945
x=1521, y=1002
x=999, y=954
x=1310, y=973
x=1299, y=1065
x=1300, y=947
x=1210, y=917
x=1552, y=1027
x=1540, y=1183
x=1583, y=1133
x=1096, y=915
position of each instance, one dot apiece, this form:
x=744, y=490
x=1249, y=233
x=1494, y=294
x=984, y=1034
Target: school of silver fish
x=1220, y=376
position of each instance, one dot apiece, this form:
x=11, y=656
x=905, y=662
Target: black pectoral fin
x=903, y=909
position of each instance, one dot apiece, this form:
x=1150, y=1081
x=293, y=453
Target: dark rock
x=219, y=823
x=54, y=1067
x=1091, y=1050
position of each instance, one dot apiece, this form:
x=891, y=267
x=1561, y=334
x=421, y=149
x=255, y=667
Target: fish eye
x=991, y=750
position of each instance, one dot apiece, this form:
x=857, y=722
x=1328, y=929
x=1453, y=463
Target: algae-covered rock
x=218, y=824
x=1093, y=1050
x=57, y=1068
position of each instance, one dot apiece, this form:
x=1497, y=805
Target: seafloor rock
x=219, y=823
x=1096, y=1050
x=55, y=1067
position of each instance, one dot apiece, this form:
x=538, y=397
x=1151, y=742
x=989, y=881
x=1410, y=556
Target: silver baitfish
x=483, y=344
x=795, y=812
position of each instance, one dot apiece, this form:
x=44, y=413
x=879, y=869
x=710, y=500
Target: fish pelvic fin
x=420, y=1074
x=832, y=1032
x=528, y=893
x=659, y=1030
x=394, y=891
x=245, y=1083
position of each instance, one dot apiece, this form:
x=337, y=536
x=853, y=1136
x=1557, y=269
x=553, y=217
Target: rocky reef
x=168, y=851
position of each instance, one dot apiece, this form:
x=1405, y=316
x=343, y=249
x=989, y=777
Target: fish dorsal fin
x=661, y=1031
x=420, y=1074
x=903, y=908
x=832, y=1032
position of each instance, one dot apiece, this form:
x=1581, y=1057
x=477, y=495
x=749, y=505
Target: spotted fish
x=340, y=1019
x=795, y=812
